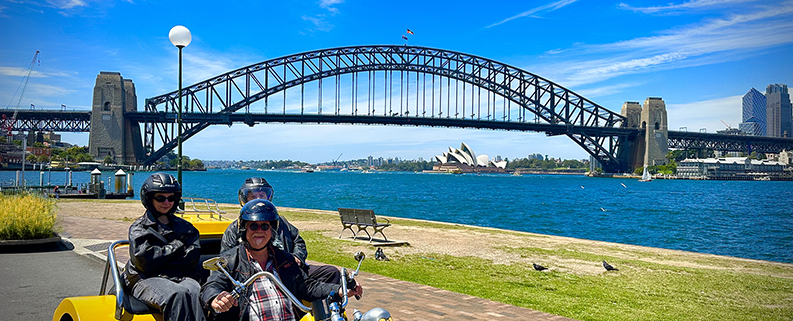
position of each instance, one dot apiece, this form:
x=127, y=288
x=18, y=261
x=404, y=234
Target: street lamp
x=180, y=37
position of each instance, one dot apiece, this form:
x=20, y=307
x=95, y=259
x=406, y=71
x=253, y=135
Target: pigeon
x=379, y=255
x=539, y=267
x=608, y=267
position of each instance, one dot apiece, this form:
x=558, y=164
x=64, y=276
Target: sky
x=700, y=56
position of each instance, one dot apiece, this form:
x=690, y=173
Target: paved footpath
x=405, y=300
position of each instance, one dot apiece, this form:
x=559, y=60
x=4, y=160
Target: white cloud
x=705, y=114
x=674, y=8
x=319, y=22
x=21, y=72
x=66, y=4
x=605, y=90
x=530, y=13
x=328, y=4
x=712, y=41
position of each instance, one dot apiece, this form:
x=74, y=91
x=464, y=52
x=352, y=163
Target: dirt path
x=457, y=240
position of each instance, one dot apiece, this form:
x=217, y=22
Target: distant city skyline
x=754, y=113
x=778, y=111
x=700, y=56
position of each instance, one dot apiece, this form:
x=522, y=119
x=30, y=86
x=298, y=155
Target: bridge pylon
x=111, y=133
x=633, y=113
x=654, y=123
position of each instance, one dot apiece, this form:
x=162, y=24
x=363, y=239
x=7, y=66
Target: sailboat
x=646, y=176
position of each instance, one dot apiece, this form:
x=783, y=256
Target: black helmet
x=257, y=210
x=160, y=183
x=255, y=184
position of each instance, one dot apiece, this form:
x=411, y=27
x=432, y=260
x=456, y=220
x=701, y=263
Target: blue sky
x=700, y=56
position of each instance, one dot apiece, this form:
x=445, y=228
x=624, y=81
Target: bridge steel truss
x=733, y=143
x=46, y=120
x=553, y=108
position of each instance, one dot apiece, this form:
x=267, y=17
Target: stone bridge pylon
x=652, y=144
x=111, y=133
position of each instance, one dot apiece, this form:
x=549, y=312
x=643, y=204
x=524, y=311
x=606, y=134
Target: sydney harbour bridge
x=377, y=85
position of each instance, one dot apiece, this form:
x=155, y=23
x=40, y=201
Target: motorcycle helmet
x=257, y=210
x=255, y=185
x=160, y=183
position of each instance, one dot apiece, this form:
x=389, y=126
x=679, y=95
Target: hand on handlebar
x=223, y=302
x=356, y=291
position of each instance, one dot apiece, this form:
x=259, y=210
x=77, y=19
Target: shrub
x=26, y=216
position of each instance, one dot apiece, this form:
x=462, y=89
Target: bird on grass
x=379, y=255
x=608, y=267
x=539, y=267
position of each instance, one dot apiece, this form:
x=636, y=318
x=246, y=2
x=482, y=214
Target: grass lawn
x=652, y=284
x=714, y=288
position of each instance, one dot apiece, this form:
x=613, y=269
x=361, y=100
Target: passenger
x=163, y=253
x=257, y=221
x=288, y=237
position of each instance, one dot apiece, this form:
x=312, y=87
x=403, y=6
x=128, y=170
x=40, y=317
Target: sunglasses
x=160, y=198
x=253, y=226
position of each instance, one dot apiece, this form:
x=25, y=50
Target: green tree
x=678, y=155
x=756, y=155
x=108, y=160
x=196, y=164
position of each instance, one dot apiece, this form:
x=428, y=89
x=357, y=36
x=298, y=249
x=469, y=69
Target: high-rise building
x=778, y=111
x=753, y=120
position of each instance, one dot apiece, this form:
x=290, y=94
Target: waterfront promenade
x=652, y=283
x=91, y=229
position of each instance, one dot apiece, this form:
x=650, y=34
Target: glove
x=351, y=284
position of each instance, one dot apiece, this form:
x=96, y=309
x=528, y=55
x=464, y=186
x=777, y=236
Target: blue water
x=735, y=218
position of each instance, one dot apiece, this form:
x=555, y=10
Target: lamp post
x=180, y=37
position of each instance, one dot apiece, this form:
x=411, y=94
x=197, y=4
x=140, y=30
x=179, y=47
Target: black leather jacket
x=288, y=239
x=241, y=268
x=156, y=249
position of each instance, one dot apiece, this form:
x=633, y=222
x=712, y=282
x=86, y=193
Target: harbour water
x=750, y=219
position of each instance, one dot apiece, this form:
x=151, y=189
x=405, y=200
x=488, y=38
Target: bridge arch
x=227, y=98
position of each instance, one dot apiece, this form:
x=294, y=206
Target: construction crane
x=9, y=123
x=337, y=158
x=24, y=83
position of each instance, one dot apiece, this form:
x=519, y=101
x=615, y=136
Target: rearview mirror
x=215, y=263
x=359, y=256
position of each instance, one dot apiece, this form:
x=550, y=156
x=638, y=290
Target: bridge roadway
x=79, y=121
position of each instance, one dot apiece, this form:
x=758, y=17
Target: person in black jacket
x=258, y=219
x=287, y=237
x=164, y=251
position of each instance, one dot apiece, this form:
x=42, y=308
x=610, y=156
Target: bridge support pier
x=656, y=131
x=111, y=134
x=652, y=144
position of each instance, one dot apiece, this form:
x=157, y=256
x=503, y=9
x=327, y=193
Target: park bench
x=362, y=220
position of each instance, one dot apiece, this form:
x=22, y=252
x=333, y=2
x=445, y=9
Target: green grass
x=651, y=285
x=642, y=290
x=26, y=216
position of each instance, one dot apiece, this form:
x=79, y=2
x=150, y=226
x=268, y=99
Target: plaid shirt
x=267, y=303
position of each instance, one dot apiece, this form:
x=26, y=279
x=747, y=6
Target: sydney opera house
x=464, y=160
